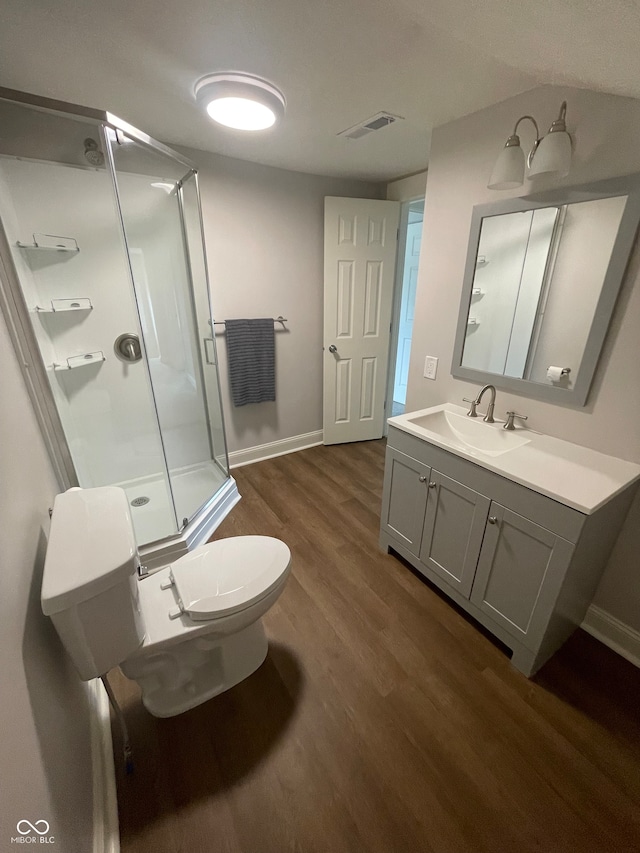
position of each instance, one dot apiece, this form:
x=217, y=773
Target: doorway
x=409, y=243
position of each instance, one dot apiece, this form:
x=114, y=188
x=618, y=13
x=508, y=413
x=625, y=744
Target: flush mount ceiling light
x=241, y=101
x=550, y=155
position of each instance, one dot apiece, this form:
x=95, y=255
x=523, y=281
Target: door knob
x=432, y=485
x=493, y=519
x=333, y=348
x=422, y=478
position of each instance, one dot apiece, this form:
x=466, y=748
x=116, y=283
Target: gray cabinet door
x=453, y=530
x=519, y=573
x=404, y=499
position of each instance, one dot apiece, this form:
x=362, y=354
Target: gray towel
x=251, y=352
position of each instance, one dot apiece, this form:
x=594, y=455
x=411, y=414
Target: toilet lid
x=226, y=576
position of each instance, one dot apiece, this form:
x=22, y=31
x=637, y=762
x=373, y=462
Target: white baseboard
x=106, y=832
x=260, y=452
x=613, y=633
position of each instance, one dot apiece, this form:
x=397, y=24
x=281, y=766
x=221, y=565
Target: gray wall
x=462, y=156
x=45, y=756
x=264, y=235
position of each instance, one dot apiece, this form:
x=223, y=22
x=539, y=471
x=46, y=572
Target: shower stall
x=105, y=289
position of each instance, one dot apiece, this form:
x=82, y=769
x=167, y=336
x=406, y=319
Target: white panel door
x=407, y=306
x=360, y=238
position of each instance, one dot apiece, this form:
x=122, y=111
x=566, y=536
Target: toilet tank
x=89, y=584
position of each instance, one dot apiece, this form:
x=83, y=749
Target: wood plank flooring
x=383, y=720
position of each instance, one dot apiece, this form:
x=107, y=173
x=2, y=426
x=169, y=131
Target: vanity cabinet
x=524, y=565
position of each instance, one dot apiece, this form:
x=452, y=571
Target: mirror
x=541, y=280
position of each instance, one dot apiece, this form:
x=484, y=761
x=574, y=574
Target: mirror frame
x=628, y=185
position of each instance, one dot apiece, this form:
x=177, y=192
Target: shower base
x=154, y=518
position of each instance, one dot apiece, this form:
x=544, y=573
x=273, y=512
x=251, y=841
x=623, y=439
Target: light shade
x=240, y=101
x=508, y=171
x=553, y=157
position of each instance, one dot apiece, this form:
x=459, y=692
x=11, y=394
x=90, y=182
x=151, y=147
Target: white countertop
x=576, y=476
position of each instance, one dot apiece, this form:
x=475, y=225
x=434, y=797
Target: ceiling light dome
x=240, y=101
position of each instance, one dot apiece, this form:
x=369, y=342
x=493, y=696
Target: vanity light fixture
x=550, y=155
x=241, y=101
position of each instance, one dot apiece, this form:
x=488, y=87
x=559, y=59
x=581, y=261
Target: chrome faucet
x=472, y=413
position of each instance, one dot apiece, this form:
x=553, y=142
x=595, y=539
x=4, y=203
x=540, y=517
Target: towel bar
x=279, y=319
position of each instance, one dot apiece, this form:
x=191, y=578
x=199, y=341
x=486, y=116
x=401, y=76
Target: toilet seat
x=228, y=575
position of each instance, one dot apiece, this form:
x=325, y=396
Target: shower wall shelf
x=51, y=242
x=80, y=361
x=58, y=306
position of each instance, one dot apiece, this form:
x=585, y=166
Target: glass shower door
x=58, y=213
x=190, y=200
x=158, y=208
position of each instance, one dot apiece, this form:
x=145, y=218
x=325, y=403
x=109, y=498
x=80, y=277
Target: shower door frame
x=193, y=175
x=12, y=302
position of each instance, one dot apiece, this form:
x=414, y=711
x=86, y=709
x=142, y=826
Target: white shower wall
x=107, y=409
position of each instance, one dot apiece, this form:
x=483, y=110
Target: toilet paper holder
x=556, y=373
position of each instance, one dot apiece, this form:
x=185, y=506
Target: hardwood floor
x=383, y=720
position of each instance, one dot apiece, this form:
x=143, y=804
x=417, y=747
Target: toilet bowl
x=186, y=632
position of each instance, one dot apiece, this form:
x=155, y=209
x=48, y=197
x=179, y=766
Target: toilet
x=186, y=632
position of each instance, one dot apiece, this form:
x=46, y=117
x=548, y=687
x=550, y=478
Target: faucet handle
x=472, y=413
x=510, y=416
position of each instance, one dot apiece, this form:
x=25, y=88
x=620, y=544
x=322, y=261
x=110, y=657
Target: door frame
x=397, y=304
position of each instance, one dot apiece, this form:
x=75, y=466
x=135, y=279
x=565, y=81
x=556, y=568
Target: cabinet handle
x=432, y=485
x=493, y=519
x=422, y=478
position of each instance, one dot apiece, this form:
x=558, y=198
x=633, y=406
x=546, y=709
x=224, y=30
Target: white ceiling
x=338, y=62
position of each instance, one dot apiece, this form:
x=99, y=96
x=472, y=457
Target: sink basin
x=472, y=433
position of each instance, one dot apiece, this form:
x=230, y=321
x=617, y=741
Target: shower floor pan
x=153, y=518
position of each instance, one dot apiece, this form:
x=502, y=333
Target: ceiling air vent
x=376, y=122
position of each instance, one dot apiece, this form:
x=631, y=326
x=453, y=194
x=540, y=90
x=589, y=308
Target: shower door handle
x=205, y=344
x=127, y=347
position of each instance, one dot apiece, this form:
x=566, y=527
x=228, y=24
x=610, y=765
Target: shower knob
x=127, y=347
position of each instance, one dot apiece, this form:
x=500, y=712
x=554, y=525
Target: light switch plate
x=430, y=367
